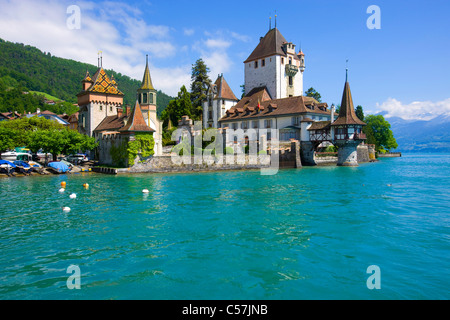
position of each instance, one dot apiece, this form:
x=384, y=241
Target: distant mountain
x=40, y=71
x=421, y=135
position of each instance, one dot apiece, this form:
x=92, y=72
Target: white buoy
x=66, y=209
x=73, y=196
x=145, y=191
x=62, y=190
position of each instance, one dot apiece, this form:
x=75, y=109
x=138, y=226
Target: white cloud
x=188, y=32
x=217, y=43
x=417, y=110
x=115, y=28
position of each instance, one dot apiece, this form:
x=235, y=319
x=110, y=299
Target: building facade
x=220, y=98
x=276, y=65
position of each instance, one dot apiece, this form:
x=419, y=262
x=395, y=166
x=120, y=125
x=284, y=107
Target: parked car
x=77, y=158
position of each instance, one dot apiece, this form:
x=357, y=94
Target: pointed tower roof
x=101, y=83
x=87, y=77
x=223, y=89
x=147, y=80
x=271, y=44
x=347, y=113
x=136, y=121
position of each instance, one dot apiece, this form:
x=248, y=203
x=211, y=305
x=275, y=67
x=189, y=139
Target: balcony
x=359, y=136
x=291, y=70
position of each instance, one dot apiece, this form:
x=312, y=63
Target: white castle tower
x=275, y=64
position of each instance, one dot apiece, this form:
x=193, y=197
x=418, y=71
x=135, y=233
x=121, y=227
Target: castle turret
x=146, y=97
x=347, y=130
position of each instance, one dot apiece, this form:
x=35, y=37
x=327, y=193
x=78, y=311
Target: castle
x=273, y=99
x=102, y=114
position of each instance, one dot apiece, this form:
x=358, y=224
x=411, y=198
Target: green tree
x=360, y=112
x=6, y=139
x=199, y=79
x=311, y=92
x=178, y=107
x=379, y=133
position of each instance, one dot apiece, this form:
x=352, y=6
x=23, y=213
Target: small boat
x=36, y=167
x=22, y=167
x=7, y=167
x=13, y=156
x=67, y=163
x=57, y=167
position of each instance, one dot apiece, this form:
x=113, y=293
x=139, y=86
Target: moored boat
x=57, y=167
x=7, y=167
x=22, y=167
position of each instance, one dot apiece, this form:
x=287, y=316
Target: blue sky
x=402, y=69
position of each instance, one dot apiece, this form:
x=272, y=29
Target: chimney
x=127, y=110
x=38, y=111
x=119, y=112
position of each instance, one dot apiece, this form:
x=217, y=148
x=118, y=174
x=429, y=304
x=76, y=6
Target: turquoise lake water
x=299, y=234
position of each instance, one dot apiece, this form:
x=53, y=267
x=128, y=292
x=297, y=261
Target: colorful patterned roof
x=103, y=84
x=87, y=78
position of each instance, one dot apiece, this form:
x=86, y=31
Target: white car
x=77, y=158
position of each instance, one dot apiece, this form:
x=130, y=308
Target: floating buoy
x=73, y=196
x=145, y=191
x=389, y=185
x=66, y=209
x=85, y=185
x=63, y=184
x=62, y=190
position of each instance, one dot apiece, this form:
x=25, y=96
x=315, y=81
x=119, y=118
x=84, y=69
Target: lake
x=308, y=233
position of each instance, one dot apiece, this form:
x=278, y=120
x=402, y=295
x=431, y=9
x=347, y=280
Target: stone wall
x=289, y=157
x=363, y=153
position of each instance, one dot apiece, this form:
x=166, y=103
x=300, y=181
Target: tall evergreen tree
x=360, y=112
x=199, y=79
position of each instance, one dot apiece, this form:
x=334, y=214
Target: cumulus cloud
x=417, y=110
x=115, y=28
x=188, y=32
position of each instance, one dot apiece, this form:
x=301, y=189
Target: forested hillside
x=26, y=68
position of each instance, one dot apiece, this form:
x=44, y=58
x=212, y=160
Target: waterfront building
x=347, y=130
x=219, y=99
x=99, y=98
x=103, y=116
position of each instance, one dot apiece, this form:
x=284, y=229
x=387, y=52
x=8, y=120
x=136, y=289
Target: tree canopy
x=379, y=133
x=178, y=107
x=311, y=92
x=38, y=133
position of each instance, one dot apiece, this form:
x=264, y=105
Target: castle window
x=263, y=62
x=290, y=81
x=290, y=61
x=144, y=98
x=110, y=109
x=101, y=108
x=282, y=60
x=256, y=64
x=151, y=98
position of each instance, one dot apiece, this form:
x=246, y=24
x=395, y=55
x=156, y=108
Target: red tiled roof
x=136, y=122
x=223, y=89
x=247, y=107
